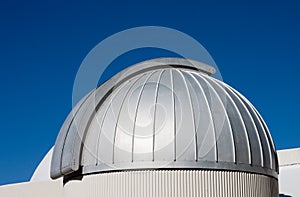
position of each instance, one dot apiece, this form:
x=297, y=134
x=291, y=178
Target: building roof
x=289, y=162
x=164, y=113
x=289, y=157
x=42, y=172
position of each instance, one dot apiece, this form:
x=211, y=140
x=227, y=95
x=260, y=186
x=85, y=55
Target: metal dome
x=164, y=113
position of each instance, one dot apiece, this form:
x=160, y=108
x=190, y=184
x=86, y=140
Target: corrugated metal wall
x=175, y=183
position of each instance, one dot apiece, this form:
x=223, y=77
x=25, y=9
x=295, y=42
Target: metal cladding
x=174, y=183
x=164, y=113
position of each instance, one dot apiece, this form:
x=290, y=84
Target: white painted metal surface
x=167, y=116
x=33, y=189
x=289, y=180
x=289, y=157
x=175, y=183
x=42, y=172
x=289, y=176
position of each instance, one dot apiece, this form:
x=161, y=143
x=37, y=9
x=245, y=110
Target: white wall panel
x=176, y=183
x=33, y=189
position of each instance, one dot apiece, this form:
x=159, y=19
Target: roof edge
x=288, y=157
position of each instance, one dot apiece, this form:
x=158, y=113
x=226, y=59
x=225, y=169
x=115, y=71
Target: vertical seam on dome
x=134, y=81
x=102, y=122
x=263, y=133
x=267, y=139
x=274, y=165
x=210, y=113
x=241, y=118
x=251, y=118
x=174, y=112
x=100, y=131
x=265, y=126
x=65, y=138
x=136, y=110
x=154, y=117
x=82, y=135
x=226, y=116
x=95, y=114
x=193, y=114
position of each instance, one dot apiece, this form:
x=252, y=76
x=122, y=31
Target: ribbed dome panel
x=167, y=117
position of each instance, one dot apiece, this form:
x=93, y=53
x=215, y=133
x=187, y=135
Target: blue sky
x=42, y=44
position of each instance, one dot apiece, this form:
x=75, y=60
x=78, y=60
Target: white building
x=163, y=127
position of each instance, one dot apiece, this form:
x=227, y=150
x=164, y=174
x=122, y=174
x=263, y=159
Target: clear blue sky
x=42, y=44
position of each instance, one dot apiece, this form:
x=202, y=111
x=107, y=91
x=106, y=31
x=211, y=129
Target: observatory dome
x=166, y=113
